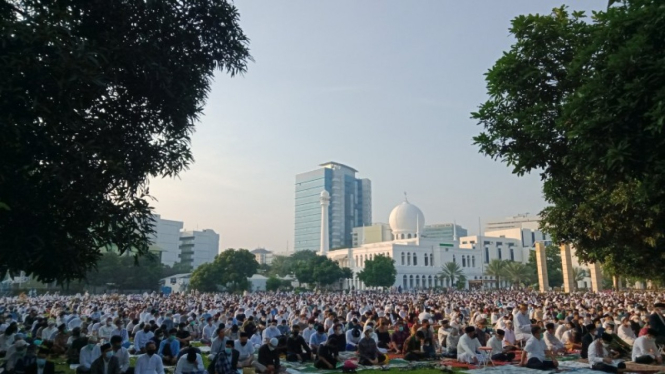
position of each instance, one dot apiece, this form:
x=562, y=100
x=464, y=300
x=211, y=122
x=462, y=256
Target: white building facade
x=167, y=239
x=418, y=260
x=198, y=247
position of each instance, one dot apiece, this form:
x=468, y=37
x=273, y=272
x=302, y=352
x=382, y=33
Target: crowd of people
x=98, y=333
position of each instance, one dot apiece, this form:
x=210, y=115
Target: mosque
x=418, y=259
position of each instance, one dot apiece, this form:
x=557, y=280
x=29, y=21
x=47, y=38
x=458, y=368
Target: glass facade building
x=443, y=232
x=350, y=206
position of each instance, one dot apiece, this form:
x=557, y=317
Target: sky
x=386, y=87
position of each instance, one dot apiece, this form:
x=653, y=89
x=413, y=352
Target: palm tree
x=451, y=271
x=516, y=273
x=496, y=268
x=578, y=275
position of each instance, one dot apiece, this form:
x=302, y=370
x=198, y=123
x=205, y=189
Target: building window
x=411, y=281
x=512, y=255
x=487, y=255
x=415, y=259
x=454, y=259
x=426, y=260
x=404, y=280
x=417, y=281
x=408, y=258
x=408, y=236
x=473, y=261
x=403, y=261
x=498, y=252
x=431, y=259
x=429, y=281
x=463, y=261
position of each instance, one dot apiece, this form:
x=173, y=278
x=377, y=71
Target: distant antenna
x=405, y=197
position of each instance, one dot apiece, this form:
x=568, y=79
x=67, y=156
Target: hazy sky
x=383, y=86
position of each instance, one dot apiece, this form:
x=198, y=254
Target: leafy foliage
x=319, y=270
x=285, y=265
x=517, y=273
x=553, y=264
x=452, y=271
x=379, y=272
x=95, y=98
x=123, y=273
x=496, y=268
x=275, y=284
x=230, y=270
x=581, y=103
x=177, y=268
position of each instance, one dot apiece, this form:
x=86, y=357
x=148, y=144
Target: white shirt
x=245, y=351
x=522, y=324
x=509, y=337
x=594, y=358
x=123, y=356
x=467, y=345
x=87, y=355
x=495, y=344
x=552, y=342
x=535, y=348
x=142, y=338
x=105, y=332
x=209, y=332
x=560, y=330
x=644, y=346
x=184, y=366
x=626, y=334
x=149, y=365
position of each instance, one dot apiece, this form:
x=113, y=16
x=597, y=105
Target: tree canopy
x=123, y=273
x=319, y=271
x=96, y=97
x=580, y=101
x=379, y=272
x=452, y=271
x=229, y=270
x=553, y=265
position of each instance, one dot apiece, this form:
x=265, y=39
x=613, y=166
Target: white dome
x=406, y=218
x=325, y=194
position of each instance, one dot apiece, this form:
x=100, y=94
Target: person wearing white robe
x=468, y=347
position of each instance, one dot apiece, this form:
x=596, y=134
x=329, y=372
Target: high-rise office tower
x=350, y=206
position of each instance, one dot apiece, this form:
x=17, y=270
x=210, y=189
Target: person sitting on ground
x=553, y=344
x=353, y=337
x=625, y=331
x=41, y=365
x=296, y=347
x=535, y=352
x=268, y=360
x=368, y=352
x=499, y=352
x=232, y=354
x=468, y=347
x=413, y=348
x=107, y=363
x=219, y=342
x=169, y=348
x=399, y=336
x=645, y=350
x=452, y=339
x=20, y=359
x=149, y=362
x=588, y=339
x=602, y=358
x=60, y=340
x=318, y=338
x=328, y=355
x=190, y=363
x=245, y=350
x=122, y=354
x=88, y=355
